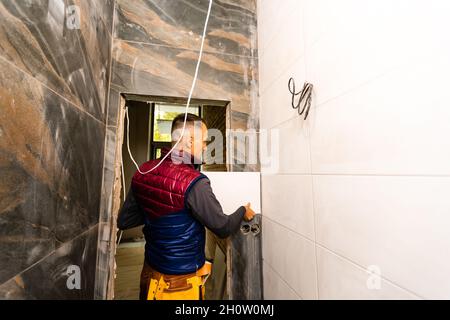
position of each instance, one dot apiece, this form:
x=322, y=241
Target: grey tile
x=113, y=106
x=51, y=167
x=108, y=174
x=48, y=278
x=231, y=28
x=38, y=38
x=158, y=70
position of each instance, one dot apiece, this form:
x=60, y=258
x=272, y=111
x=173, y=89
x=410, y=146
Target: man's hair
x=178, y=121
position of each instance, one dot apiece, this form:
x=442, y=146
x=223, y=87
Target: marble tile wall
x=60, y=96
x=55, y=61
x=155, y=51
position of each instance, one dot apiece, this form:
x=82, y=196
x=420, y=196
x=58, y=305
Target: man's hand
x=249, y=213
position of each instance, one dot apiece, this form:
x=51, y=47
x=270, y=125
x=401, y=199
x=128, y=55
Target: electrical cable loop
x=304, y=102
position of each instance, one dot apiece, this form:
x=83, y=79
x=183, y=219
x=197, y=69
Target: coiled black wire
x=304, y=103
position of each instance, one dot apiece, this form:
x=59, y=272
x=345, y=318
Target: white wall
x=246, y=188
x=365, y=181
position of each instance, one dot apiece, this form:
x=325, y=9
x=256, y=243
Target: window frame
x=154, y=146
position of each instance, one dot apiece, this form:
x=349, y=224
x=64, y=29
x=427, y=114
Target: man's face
x=198, y=138
x=194, y=139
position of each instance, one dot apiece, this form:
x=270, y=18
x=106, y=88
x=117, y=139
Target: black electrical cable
x=305, y=97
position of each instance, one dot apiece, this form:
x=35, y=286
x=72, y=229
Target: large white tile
x=341, y=279
x=400, y=224
x=276, y=100
x=271, y=16
x=293, y=153
x=366, y=39
x=287, y=199
x=347, y=54
x=267, y=10
x=321, y=17
x=292, y=256
x=284, y=48
x=246, y=189
x=276, y=288
x=397, y=124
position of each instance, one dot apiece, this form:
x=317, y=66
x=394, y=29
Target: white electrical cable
x=120, y=237
x=187, y=104
x=185, y=117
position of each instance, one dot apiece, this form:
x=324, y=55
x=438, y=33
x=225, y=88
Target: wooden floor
x=129, y=260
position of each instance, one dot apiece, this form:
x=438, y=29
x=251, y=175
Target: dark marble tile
x=74, y=61
x=104, y=257
x=231, y=28
x=51, y=159
x=22, y=241
x=105, y=220
x=158, y=70
x=244, y=126
x=239, y=120
x=105, y=12
x=113, y=106
x=245, y=262
x=48, y=278
x=108, y=174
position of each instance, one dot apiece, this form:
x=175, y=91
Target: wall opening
x=150, y=123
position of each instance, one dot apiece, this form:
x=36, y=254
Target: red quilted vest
x=163, y=190
x=175, y=240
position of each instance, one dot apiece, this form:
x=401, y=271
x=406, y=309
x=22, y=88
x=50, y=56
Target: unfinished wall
x=363, y=183
x=155, y=50
x=55, y=70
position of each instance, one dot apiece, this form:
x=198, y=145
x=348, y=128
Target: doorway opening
x=150, y=126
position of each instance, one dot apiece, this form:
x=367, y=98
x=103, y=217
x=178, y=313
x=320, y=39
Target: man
x=175, y=203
